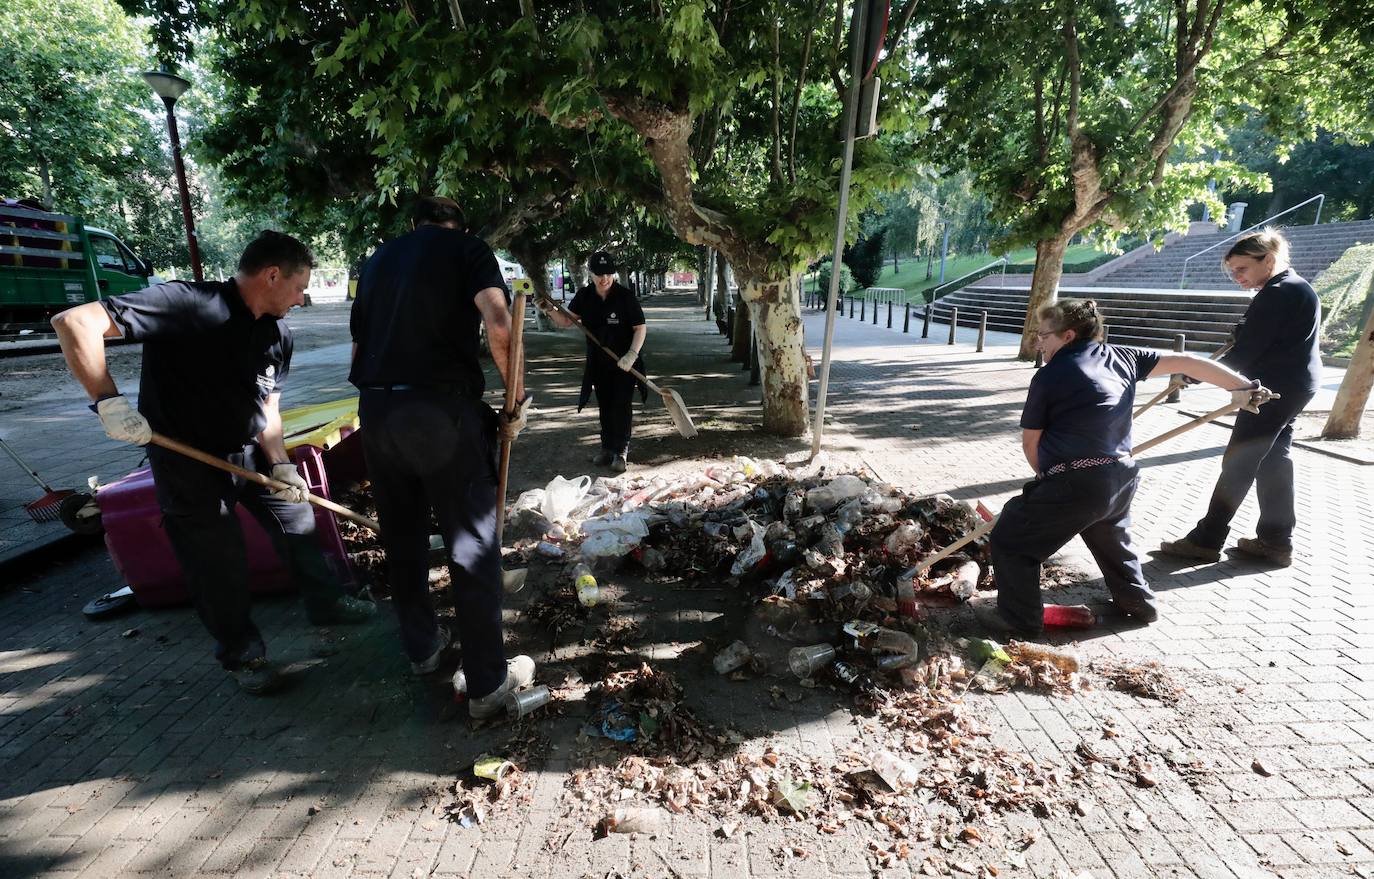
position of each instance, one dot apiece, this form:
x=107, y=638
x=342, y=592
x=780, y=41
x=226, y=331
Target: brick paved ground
x=136, y=755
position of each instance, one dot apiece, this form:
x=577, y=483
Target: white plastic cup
x=806, y=661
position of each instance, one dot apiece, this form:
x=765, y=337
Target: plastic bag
x=607, y=537
x=562, y=496
x=752, y=554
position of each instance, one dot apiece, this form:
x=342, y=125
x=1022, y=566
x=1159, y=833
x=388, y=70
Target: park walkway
x=125, y=751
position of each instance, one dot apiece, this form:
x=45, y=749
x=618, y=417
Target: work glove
x=1251, y=396
x=511, y=423
x=627, y=362
x=122, y=422
x=546, y=305
x=295, y=490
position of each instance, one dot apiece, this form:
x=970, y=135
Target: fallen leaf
x=1260, y=768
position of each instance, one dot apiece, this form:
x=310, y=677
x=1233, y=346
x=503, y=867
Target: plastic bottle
x=1075, y=616
x=1064, y=660
x=588, y=592
x=549, y=550
x=849, y=516
x=965, y=581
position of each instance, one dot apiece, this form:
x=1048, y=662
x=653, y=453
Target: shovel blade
x=677, y=410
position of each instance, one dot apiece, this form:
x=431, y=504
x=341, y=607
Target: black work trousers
x=1094, y=503
x=198, y=511
x=1260, y=454
x=615, y=390
x=433, y=451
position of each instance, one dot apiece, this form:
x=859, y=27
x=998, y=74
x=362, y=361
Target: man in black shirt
x=610, y=310
x=431, y=441
x=215, y=357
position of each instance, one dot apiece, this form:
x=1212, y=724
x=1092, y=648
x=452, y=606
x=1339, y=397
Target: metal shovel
x=672, y=400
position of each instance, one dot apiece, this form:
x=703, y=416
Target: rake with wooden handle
x=1178, y=383
x=924, y=564
x=48, y=507
x=181, y=448
x=672, y=400
x=512, y=579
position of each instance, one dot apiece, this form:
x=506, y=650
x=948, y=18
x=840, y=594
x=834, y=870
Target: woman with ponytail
x=1076, y=435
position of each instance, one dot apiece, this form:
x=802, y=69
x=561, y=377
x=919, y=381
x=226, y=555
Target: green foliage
x=81, y=130
x=1346, y=290
x=865, y=258
x=1344, y=171
x=1121, y=149
x=846, y=279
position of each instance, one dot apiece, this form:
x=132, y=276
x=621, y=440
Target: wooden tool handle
x=1228, y=409
x=957, y=545
x=181, y=448
x=1178, y=383
x=515, y=367
x=597, y=342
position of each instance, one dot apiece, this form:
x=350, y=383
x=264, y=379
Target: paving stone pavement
x=137, y=756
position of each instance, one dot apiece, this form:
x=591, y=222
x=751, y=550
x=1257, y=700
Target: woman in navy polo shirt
x=1076, y=435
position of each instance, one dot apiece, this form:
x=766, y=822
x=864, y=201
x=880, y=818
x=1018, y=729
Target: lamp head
x=168, y=86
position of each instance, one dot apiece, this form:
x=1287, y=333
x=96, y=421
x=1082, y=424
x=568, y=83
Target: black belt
x=459, y=388
x=1081, y=464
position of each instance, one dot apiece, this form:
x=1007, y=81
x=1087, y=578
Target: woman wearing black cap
x=610, y=310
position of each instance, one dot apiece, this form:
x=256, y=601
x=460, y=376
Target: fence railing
x=1320, y=199
x=965, y=280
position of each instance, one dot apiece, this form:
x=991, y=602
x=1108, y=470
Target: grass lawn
x=912, y=275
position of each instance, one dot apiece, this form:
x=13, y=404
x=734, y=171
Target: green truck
x=51, y=261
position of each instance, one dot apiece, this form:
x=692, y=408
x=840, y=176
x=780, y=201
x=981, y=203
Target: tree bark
x=704, y=277
x=45, y=176
x=535, y=262
x=776, y=314
x=739, y=337
x=1348, y=409
x=1049, y=267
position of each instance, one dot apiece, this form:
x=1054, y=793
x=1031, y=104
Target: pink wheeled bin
x=323, y=441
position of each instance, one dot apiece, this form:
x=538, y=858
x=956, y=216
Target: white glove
x=122, y=422
x=296, y=488
x=511, y=423
x=546, y=305
x=627, y=362
x=1251, y=396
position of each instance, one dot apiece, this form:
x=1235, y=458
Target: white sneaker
x=427, y=666
x=519, y=673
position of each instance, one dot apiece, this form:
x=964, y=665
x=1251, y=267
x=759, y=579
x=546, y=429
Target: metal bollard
x=925, y=327
x=1180, y=342
x=851, y=306
x=953, y=321
x=863, y=309
x=875, y=312
x=982, y=329
x=906, y=319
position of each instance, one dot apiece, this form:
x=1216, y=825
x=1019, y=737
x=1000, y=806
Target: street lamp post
x=169, y=87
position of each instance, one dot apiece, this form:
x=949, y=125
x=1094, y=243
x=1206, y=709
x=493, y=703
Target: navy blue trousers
x=198, y=511
x=434, y=451
x=1049, y=512
x=1260, y=454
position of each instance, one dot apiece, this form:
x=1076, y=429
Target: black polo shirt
x=415, y=319
x=1277, y=341
x=1082, y=400
x=612, y=320
x=208, y=364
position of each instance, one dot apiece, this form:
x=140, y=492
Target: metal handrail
x=1000, y=260
x=1319, y=198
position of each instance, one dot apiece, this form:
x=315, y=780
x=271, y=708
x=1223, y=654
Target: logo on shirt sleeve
x=268, y=380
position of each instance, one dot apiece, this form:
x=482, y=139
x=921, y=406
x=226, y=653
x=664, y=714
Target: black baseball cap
x=602, y=263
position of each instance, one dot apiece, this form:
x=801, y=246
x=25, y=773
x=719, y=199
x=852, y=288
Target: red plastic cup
x=1064, y=616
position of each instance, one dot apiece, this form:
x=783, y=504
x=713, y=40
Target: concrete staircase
x=1144, y=318
x=1141, y=301
x=1312, y=250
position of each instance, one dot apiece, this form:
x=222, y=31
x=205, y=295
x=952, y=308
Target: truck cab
x=51, y=261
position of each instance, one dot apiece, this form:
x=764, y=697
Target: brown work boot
x=1185, y=548
x=1271, y=552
